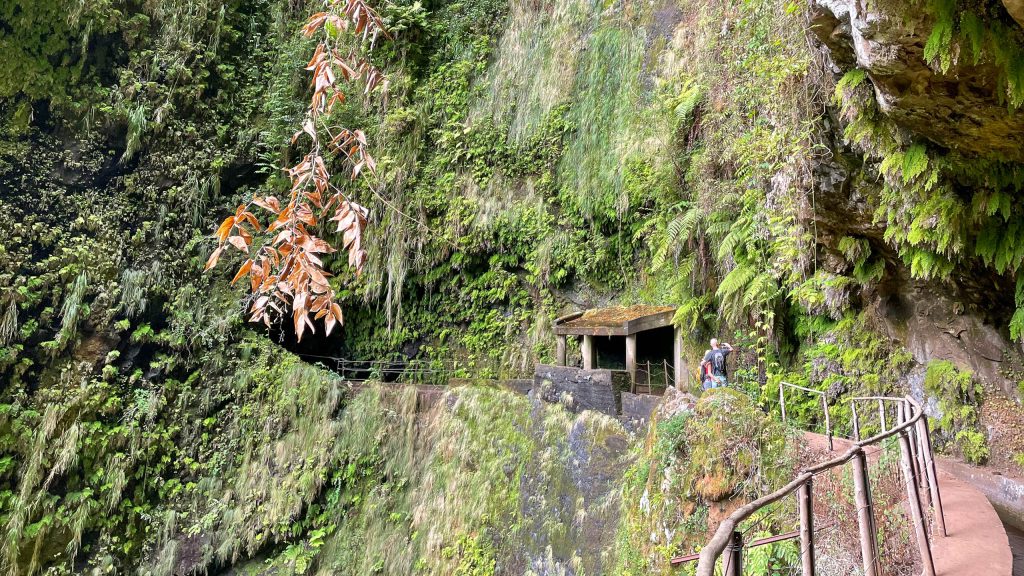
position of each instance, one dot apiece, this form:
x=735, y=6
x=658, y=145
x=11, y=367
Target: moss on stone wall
x=534, y=157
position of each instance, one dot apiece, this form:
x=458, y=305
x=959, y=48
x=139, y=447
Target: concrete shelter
x=627, y=322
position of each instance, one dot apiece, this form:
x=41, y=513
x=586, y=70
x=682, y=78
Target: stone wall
x=580, y=389
x=639, y=406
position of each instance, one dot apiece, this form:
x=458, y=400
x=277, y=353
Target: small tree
x=284, y=267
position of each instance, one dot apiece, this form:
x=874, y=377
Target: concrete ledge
x=579, y=389
x=639, y=406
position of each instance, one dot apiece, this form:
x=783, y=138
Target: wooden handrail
x=716, y=546
x=824, y=406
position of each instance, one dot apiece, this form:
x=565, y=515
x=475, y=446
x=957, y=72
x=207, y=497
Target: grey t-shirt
x=717, y=360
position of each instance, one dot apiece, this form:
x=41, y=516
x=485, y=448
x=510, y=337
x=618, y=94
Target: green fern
x=915, y=162
x=848, y=82
x=939, y=46
x=973, y=30
x=1017, y=323
x=71, y=310
x=9, y=323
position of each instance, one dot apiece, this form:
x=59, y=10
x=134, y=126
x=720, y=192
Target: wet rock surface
x=960, y=109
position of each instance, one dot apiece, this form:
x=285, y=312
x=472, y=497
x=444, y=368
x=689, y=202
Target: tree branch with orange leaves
x=285, y=269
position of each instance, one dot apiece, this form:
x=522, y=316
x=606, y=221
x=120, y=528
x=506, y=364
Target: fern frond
x=735, y=282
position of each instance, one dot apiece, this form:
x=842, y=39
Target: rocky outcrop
x=933, y=325
x=1016, y=9
x=959, y=109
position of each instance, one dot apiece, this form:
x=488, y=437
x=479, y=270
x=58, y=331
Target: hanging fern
x=71, y=310
x=915, y=162
x=1017, y=322
x=9, y=323
x=939, y=47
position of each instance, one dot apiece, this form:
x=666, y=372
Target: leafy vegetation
x=725, y=449
x=958, y=397
x=530, y=157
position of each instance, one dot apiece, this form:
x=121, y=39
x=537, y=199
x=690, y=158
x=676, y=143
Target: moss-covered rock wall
x=758, y=164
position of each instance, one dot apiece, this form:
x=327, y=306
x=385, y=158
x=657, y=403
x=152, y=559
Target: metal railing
x=436, y=372
x=652, y=376
x=918, y=467
x=824, y=406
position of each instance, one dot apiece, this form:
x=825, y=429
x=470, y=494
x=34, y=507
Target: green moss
x=958, y=426
x=726, y=450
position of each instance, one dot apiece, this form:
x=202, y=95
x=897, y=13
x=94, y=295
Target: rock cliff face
x=959, y=108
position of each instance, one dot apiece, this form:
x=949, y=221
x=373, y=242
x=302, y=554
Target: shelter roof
x=615, y=320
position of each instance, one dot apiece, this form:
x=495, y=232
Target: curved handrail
x=824, y=405
x=881, y=400
x=723, y=535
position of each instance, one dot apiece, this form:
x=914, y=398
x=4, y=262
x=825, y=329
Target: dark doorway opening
x=654, y=356
x=611, y=352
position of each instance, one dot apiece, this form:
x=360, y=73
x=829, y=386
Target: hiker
x=713, y=373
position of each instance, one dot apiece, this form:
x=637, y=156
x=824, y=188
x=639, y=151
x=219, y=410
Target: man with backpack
x=713, y=372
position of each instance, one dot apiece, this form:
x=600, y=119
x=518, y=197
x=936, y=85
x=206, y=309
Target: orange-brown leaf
x=213, y=258
x=246, y=267
x=225, y=228
x=239, y=242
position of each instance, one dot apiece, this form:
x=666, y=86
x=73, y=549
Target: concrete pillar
x=589, y=353
x=560, y=350
x=679, y=371
x=631, y=357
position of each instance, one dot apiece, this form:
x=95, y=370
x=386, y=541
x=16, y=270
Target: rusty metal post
x=865, y=517
x=917, y=515
x=665, y=372
x=881, y=414
x=804, y=495
x=917, y=456
x=828, y=422
x=856, y=425
x=933, y=479
x=903, y=414
x=732, y=561
x=648, y=376
x=782, y=400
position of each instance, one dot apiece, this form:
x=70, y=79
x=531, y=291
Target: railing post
x=732, y=562
x=916, y=513
x=856, y=425
x=782, y=401
x=804, y=496
x=828, y=422
x=919, y=464
x=916, y=456
x=865, y=517
x=881, y=414
x=933, y=480
x=903, y=415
